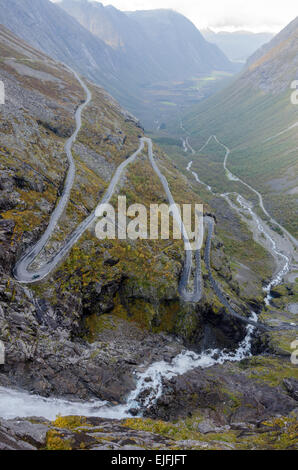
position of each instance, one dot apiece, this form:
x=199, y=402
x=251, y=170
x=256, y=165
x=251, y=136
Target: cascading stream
x=149, y=384
x=277, y=279
x=14, y=403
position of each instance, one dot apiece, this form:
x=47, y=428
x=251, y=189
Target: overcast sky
x=229, y=15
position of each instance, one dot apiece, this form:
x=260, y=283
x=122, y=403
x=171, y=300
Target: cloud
x=255, y=15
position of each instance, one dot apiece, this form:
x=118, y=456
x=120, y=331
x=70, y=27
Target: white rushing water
x=15, y=403
x=261, y=225
x=196, y=177
x=277, y=279
x=149, y=384
x=184, y=145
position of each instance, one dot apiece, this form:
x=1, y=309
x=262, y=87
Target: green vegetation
x=69, y=422
x=243, y=119
x=56, y=441
x=277, y=434
x=269, y=370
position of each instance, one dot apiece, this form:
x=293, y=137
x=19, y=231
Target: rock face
x=235, y=396
x=85, y=433
x=291, y=386
x=48, y=28
x=78, y=433
x=122, y=70
x=164, y=44
x=42, y=356
x=111, y=308
x=22, y=435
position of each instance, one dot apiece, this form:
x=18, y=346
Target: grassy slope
x=243, y=117
x=144, y=264
x=151, y=268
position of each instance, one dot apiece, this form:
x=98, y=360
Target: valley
x=139, y=344
x=173, y=98
x=121, y=51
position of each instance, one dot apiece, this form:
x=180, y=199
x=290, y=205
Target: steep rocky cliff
x=133, y=281
x=112, y=307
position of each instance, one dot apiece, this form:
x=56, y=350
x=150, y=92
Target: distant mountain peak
x=275, y=65
x=238, y=45
x=174, y=50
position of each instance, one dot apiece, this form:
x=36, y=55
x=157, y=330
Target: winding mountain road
x=260, y=197
x=196, y=295
x=210, y=222
x=233, y=177
x=22, y=272
x=282, y=132
x=278, y=277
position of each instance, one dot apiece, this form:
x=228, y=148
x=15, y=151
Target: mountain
x=238, y=45
x=105, y=334
x=287, y=34
x=130, y=286
x=110, y=47
x=256, y=118
x=119, y=33
x=171, y=65
x=60, y=314
x=48, y=28
x=164, y=39
x=178, y=45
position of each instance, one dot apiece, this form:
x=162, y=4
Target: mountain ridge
x=238, y=45
x=256, y=118
x=155, y=34
x=126, y=72
x=103, y=325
